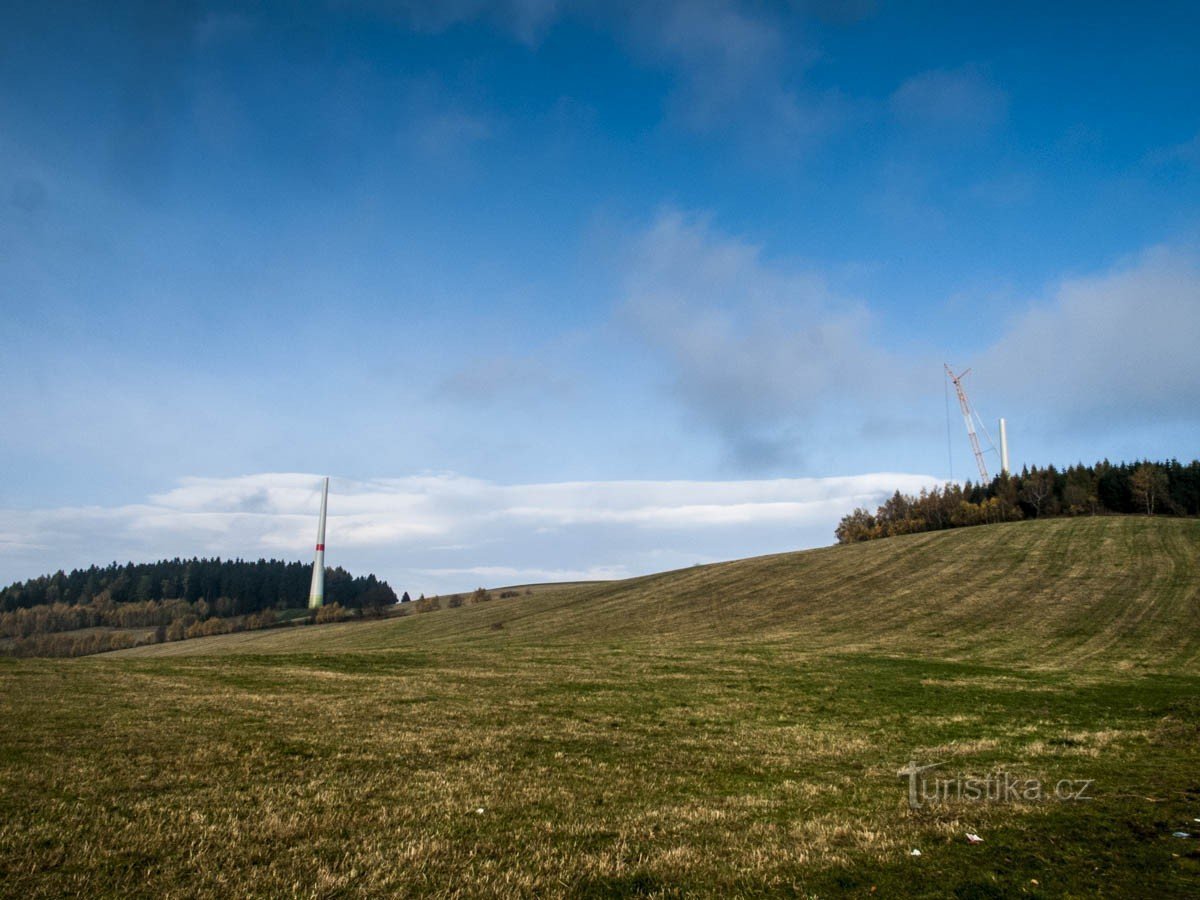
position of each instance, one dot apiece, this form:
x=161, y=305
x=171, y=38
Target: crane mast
x=969, y=419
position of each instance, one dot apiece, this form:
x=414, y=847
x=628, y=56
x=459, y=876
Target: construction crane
x=969, y=417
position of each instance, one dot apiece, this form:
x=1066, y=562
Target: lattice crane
x=969, y=417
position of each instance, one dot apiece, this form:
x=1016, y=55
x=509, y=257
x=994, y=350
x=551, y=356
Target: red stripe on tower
x=320, y=546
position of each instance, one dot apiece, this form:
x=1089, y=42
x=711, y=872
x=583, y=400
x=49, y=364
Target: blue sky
x=532, y=243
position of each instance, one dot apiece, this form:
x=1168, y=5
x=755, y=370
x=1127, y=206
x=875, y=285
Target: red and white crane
x=970, y=417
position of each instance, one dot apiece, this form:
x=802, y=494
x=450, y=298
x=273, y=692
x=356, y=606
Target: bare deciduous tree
x=1148, y=484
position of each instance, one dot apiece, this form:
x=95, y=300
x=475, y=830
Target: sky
x=559, y=290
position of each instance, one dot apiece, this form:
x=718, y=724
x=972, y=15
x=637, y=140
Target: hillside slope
x=1064, y=592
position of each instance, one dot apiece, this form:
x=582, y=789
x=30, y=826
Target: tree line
x=1168, y=488
x=168, y=600
x=233, y=587
x=97, y=639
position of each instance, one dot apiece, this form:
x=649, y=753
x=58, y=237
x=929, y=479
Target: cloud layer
x=448, y=532
x=768, y=358
x=1119, y=345
x=755, y=351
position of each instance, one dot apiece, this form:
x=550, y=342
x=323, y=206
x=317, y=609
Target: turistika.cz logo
x=996, y=787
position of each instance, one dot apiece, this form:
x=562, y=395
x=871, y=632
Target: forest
x=168, y=600
x=1168, y=488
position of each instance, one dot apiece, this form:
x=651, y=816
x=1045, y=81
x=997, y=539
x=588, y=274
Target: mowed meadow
x=728, y=730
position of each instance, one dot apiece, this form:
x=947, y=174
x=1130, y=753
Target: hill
x=1062, y=592
x=733, y=730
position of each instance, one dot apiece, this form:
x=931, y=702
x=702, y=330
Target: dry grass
x=693, y=754
x=1102, y=594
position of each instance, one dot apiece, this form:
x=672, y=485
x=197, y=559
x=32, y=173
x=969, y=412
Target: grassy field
x=730, y=730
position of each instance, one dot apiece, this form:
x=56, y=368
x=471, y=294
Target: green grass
x=732, y=730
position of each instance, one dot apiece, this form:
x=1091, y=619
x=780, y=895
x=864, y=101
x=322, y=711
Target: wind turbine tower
x=1003, y=447
x=316, y=594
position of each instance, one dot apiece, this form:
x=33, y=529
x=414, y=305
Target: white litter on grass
x=974, y=838
x=1180, y=834
x=479, y=811
x=914, y=852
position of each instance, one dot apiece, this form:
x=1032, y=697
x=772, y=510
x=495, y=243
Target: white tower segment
x=1003, y=447
x=316, y=594
x=969, y=419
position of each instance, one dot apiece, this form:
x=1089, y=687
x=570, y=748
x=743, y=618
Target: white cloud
x=449, y=532
x=737, y=69
x=449, y=132
x=1118, y=347
x=839, y=12
x=438, y=124
x=1007, y=190
x=755, y=350
x=719, y=49
x=526, y=20
x=962, y=99
x=1186, y=153
x=219, y=27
